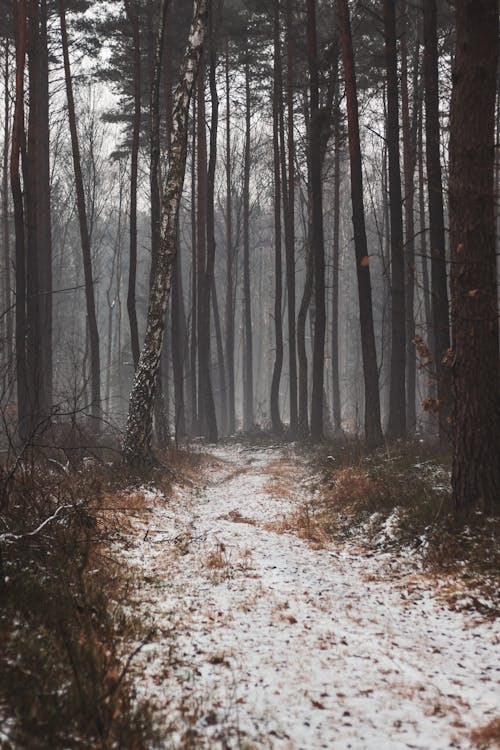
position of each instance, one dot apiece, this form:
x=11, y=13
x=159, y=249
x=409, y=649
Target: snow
x=264, y=642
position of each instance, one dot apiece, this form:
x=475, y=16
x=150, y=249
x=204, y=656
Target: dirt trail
x=264, y=642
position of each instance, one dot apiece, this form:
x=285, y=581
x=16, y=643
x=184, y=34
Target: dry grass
x=283, y=478
x=64, y=669
x=402, y=500
x=236, y=517
x=488, y=736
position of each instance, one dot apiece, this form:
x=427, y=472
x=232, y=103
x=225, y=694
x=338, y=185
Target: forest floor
x=265, y=636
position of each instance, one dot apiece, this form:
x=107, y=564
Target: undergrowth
x=400, y=499
x=65, y=627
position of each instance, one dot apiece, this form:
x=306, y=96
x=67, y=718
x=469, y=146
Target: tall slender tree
x=373, y=430
x=396, y=427
x=93, y=331
x=317, y=238
x=278, y=323
x=439, y=288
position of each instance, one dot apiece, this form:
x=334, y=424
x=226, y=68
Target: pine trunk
x=373, y=431
x=276, y=422
x=396, y=427
x=439, y=290
x=476, y=376
x=317, y=240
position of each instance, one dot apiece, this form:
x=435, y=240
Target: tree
x=373, y=430
x=439, y=288
x=83, y=225
x=248, y=415
x=278, y=323
x=133, y=18
x=317, y=239
x=475, y=356
x=137, y=440
x=396, y=427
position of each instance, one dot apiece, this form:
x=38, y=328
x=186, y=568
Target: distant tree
x=83, y=223
x=475, y=356
x=276, y=422
x=373, y=430
x=396, y=427
x=317, y=237
x=248, y=389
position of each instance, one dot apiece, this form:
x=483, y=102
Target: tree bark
x=336, y=404
x=396, y=427
x=373, y=431
x=9, y=328
x=229, y=312
x=133, y=18
x=18, y=138
x=439, y=289
x=209, y=404
x=248, y=416
x=409, y=127
x=289, y=216
x=277, y=425
x=137, y=441
x=317, y=239
x=95, y=366
x=476, y=375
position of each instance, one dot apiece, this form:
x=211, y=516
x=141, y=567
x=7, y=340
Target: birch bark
x=137, y=441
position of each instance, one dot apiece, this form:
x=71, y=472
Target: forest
x=249, y=373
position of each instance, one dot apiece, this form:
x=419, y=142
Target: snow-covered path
x=264, y=642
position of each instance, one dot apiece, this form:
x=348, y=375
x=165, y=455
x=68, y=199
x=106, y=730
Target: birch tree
x=137, y=440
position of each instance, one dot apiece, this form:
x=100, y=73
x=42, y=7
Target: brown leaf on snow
x=317, y=704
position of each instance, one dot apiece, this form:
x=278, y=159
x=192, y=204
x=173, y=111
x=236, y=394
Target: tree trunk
x=193, y=354
x=396, y=427
x=137, y=441
x=373, y=431
x=221, y=370
x=476, y=375
x=409, y=126
x=95, y=366
x=18, y=138
x=209, y=405
x=38, y=239
x=317, y=240
x=229, y=263
x=439, y=290
x=248, y=417
x=133, y=18
x=277, y=425
x=289, y=216
x=336, y=405
x=178, y=344
x=303, y=426
x=9, y=328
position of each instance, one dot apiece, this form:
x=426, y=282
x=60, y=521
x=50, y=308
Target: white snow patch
x=283, y=646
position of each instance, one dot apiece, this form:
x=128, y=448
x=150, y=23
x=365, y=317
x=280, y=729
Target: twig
x=9, y=537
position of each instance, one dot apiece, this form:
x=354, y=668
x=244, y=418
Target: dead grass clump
x=63, y=677
x=488, y=736
x=401, y=499
x=236, y=517
x=282, y=479
x=306, y=523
